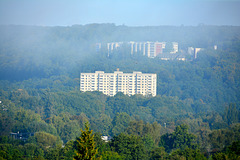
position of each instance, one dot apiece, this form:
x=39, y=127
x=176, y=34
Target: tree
x=179, y=139
x=122, y=103
x=49, y=104
x=104, y=121
x=67, y=152
x=219, y=156
x=107, y=155
x=188, y=154
x=120, y=123
x=86, y=149
x=221, y=138
x=158, y=153
x=45, y=140
x=182, y=139
x=129, y=146
x=234, y=148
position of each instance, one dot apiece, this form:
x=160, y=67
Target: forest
x=43, y=113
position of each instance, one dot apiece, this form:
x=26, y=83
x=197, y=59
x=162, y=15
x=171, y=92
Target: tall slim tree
x=86, y=148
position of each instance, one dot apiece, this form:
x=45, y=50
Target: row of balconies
x=117, y=88
x=121, y=80
x=117, y=84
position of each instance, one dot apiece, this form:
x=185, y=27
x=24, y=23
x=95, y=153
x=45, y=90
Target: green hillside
x=195, y=113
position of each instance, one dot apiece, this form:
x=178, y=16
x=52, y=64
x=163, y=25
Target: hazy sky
x=128, y=12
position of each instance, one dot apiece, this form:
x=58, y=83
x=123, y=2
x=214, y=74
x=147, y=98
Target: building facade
x=113, y=46
x=149, y=49
x=112, y=83
x=175, y=47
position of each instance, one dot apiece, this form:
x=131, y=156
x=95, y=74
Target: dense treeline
x=101, y=109
x=133, y=138
x=195, y=114
x=162, y=133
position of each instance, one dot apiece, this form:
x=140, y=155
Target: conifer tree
x=86, y=149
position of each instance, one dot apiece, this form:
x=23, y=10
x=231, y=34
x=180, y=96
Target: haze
x=131, y=13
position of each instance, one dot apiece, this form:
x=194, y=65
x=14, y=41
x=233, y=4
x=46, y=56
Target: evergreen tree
x=86, y=149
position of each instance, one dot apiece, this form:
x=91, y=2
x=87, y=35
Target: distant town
x=162, y=50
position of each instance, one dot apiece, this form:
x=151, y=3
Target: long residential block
x=112, y=83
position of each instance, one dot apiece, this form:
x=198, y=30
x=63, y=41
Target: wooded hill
x=39, y=90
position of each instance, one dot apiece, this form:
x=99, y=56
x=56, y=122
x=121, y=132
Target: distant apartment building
x=194, y=51
x=167, y=57
x=112, y=83
x=149, y=49
x=175, y=47
x=190, y=50
x=153, y=49
x=113, y=46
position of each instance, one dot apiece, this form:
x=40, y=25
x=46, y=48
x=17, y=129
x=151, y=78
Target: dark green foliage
x=179, y=139
x=231, y=152
x=219, y=156
x=224, y=137
x=129, y=146
x=162, y=107
x=122, y=103
x=6, y=151
x=68, y=151
x=120, y=123
x=188, y=154
x=32, y=150
x=67, y=128
x=45, y=140
x=151, y=132
x=111, y=155
x=28, y=151
x=6, y=122
x=148, y=142
x=104, y=121
x=234, y=148
x=52, y=153
x=158, y=154
x=101, y=145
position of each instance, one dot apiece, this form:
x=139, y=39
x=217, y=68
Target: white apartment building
x=175, y=47
x=112, y=46
x=149, y=49
x=112, y=83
